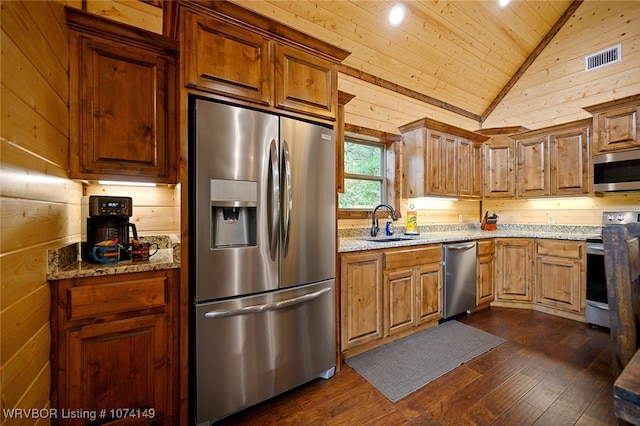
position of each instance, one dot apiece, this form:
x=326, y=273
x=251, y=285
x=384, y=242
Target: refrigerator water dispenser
x=233, y=213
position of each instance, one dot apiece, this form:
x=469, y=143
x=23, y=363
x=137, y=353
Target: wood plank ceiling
x=462, y=55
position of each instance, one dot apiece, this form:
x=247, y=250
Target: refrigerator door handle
x=267, y=306
x=273, y=201
x=286, y=197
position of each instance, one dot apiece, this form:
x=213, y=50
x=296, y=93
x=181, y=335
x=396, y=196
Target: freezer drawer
x=252, y=348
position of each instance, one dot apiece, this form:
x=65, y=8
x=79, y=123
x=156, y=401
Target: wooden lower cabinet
x=429, y=294
x=514, y=269
x=485, y=265
x=360, y=299
x=388, y=294
x=399, y=294
x=560, y=272
x=114, y=349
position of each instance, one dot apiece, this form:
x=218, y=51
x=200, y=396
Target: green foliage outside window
x=364, y=183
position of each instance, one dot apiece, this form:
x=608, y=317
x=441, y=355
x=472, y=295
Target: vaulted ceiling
x=462, y=55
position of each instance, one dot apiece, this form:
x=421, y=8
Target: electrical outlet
x=551, y=219
x=459, y=218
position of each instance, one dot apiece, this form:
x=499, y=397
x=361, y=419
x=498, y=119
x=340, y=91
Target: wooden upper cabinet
x=554, y=161
x=532, y=167
x=227, y=59
x=499, y=162
x=616, y=124
x=232, y=52
x=122, y=101
x=439, y=159
x=469, y=168
x=413, y=163
x=434, y=164
x=305, y=83
x=569, y=162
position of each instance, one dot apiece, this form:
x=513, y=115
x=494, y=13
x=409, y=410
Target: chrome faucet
x=374, y=220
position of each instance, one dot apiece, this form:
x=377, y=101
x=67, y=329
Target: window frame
x=390, y=171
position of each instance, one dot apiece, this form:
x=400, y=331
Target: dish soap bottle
x=412, y=221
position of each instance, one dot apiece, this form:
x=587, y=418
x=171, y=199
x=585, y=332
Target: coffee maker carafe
x=107, y=219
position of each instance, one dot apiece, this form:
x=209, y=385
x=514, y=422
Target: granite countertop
x=358, y=240
x=65, y=263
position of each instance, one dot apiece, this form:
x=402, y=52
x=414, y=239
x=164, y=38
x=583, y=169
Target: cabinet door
x=399, y=306
x=228, y=60
x=532, y=167
x=413, y=163
x=499, y=172
x=617, y=129
x=477, y=174
x=569, y=161
x=485, y=266
x=126, y=100
x=305, y=83
x=429, y=292
x=560, y=274
x=449, y=164
x=434, y=167
x=514, y=269
x=558, y=283
x=361, y=299
x=469, y=168
x=118, y=364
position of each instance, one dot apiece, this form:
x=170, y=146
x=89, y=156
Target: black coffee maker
x=107, y=219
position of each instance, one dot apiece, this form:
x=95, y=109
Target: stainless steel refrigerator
x=263, y=248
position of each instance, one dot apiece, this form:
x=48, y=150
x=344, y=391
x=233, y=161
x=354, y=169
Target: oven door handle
x=253, y=309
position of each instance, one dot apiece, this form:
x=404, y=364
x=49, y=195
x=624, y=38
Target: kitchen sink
x=387, y=239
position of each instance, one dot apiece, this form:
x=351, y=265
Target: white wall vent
x=602, y=58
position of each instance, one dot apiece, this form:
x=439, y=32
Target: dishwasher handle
x=460, y=246
x=253, y=309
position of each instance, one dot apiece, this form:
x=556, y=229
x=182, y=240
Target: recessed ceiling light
x=503, y=3
x=396, y=15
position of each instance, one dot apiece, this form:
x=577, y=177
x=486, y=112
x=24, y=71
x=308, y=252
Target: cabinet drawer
x=410, y=258
x=486, y=247
x=103, y=299
x=566, y=249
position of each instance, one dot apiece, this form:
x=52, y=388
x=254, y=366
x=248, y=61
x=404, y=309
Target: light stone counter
x=65, y=263
x=358, y=240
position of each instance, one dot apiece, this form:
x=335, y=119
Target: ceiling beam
x=386, y=84
x=534, y=55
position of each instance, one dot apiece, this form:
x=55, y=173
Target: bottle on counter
x=412, y=222
x=388, y=229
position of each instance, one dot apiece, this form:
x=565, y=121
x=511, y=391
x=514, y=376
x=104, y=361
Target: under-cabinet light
x=503, y=3
x=125, y=183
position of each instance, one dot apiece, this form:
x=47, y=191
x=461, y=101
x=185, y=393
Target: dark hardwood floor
x=550, y=371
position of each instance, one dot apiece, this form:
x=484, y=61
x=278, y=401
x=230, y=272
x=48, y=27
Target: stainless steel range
x=597, y=311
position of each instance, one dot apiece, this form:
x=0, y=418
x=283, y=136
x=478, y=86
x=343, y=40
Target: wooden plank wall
x=563, y=211
x=37, y=201
x=137, y=13
x=431, y=211
x=39, y=205
x=556, y=88
x=154, y=209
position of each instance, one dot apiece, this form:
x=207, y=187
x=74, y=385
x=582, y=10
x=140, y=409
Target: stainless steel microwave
x=617, y=171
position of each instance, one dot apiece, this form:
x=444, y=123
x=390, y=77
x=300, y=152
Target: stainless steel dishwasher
x=459, y=294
